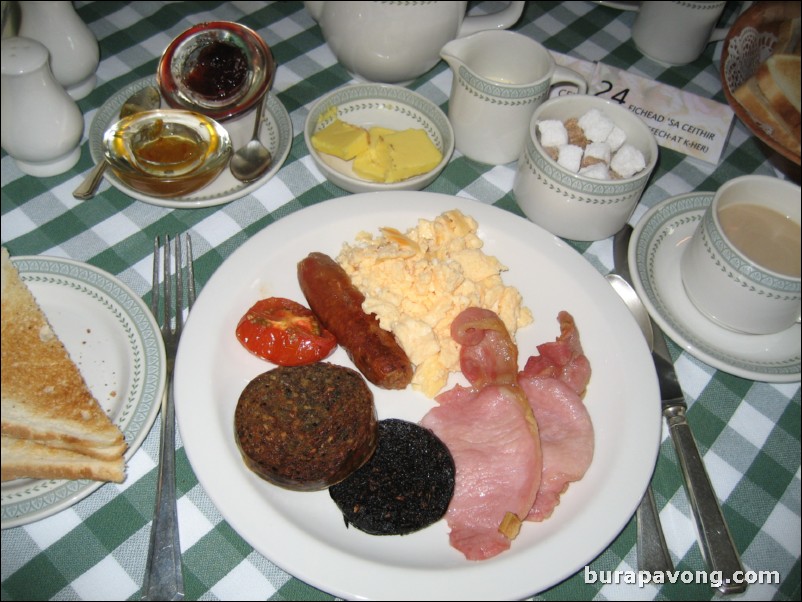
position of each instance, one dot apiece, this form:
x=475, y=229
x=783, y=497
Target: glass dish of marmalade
x=220, y=69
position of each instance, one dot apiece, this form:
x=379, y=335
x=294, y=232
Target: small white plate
x=276, y=135
x=384, y=105
x=112, y=337
x=654, y=257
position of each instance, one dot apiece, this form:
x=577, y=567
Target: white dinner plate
x=276, y=135
x=657, y=244
x=112, y=337
x=304, y=533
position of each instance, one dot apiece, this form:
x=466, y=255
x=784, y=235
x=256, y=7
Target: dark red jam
x=217, y=70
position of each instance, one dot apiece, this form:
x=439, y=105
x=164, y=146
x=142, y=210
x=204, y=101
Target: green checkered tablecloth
x=748, y=432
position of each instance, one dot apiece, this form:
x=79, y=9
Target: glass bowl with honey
x=167, y=152
x=220, y=69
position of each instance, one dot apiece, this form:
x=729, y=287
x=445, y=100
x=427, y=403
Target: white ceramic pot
x=676, y=33
x=395, y=42
x=74, y=51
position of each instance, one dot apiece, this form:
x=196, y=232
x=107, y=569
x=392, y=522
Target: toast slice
x=779, y=81
x=757, y=105
x=788, y=36
x=30, y=459
x=44, y=396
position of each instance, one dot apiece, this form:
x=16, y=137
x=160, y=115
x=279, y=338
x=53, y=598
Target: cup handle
x=718, y=34
x=564, y=75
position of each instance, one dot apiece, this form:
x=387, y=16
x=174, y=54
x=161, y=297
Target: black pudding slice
x=405, y=486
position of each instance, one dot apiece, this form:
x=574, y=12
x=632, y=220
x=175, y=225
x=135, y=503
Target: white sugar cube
x=598, y=150
x=616, y=138
x=570, y=157
x=596, y=125
x=552, y=132
x=627, y=161
x=597, y=171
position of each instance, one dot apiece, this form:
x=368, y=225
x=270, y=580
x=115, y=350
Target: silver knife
x=717, y=545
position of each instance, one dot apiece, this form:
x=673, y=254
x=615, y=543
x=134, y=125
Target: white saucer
x=633, y=6
x=654, y=258
x=276, y=135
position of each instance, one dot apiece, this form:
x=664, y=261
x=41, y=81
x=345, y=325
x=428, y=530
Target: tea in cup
x=500, y=78
x=676, y=33
x=741, y=268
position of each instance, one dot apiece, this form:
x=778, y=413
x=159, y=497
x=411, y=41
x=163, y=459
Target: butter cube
x=377, y=133
x=411, y=153
x=373, y=163
x=341, y=139
x=379, y=154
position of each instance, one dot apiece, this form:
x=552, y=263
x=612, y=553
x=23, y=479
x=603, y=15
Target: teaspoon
x=253, y=159
x=144, y=100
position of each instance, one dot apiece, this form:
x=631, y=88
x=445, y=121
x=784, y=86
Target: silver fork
x=164, y=578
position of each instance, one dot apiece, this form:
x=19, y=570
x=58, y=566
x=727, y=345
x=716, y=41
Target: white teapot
x=395, y=42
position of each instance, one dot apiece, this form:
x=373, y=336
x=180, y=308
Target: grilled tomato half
x=284, y=332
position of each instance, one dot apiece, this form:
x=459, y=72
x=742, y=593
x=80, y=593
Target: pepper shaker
x=74, y=51
x=41, y=124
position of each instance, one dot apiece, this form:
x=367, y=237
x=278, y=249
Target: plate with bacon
x=303, y=532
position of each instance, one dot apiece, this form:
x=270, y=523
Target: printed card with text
x=682, y=121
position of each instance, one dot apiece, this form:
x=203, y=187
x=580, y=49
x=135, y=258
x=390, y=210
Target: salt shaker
x=41, y=124
x=74, y=51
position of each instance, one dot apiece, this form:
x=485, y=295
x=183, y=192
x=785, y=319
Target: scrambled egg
x=418, y=282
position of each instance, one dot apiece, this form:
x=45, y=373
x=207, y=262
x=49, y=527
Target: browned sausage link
x=338, y=305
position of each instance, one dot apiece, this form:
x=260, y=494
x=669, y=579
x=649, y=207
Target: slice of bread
x=779, y=81
x=44, y=396
x=30, y=459
x=788, y=35
x=757, y=105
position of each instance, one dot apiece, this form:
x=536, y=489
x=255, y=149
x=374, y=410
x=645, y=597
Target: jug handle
x=502, y=19
x=565, y=75
x=314, y=8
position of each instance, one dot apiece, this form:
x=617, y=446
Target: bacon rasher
x=492, y=435
x=555, y=383
x=518, y=438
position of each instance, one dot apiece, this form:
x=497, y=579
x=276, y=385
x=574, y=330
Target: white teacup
x=676, y=33
x=500, y=77
x=741, y=268
x=577, y=206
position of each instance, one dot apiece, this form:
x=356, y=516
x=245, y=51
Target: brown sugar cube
x=588, y=161
x=576, y=135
